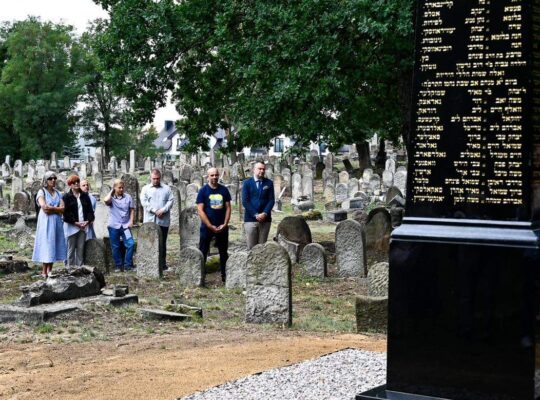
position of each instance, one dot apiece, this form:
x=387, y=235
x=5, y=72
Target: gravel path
x=337, y=376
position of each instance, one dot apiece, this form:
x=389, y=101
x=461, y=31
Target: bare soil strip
x=158, y=367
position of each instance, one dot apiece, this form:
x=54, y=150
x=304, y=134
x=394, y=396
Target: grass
x=45, y=328
x=319, y=305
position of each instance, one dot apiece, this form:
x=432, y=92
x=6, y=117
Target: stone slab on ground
x=43, y=312
x=152, y=313
x=34, y=315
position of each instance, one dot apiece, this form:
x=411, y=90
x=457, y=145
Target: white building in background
x=171, y=142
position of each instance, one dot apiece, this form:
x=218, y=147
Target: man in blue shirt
x=214, y=208
x=258, y=201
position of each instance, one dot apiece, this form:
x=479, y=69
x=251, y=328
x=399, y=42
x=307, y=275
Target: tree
x=104, y=117
x=39, y=87
x=311, y=69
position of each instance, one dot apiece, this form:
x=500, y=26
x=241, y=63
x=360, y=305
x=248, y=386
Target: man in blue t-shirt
x=214, y=207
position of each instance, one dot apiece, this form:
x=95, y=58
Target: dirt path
x=158, y=367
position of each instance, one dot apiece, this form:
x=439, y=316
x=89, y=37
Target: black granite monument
x=464, y=266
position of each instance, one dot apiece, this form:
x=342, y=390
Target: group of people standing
x=65, y=221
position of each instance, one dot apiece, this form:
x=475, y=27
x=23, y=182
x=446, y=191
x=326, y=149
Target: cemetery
x=404, y=246
x=321, y=248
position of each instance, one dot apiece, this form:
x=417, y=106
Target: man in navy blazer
x=258, y=200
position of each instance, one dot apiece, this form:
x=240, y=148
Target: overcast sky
x=73, y=12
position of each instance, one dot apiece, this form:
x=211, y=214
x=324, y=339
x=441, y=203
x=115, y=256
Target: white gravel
x=336, y=376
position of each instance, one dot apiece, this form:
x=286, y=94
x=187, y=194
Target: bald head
x=213, y=177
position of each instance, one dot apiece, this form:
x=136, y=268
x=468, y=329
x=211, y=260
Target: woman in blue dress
x=50, y=244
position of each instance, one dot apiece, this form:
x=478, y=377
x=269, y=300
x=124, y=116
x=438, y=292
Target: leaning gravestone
x=378, y=229
x=295, y=229
x=147, y=258
x=351, y=257
x=236, y=270
x=313, y=260
x=190, y=224
x=191, y=269
x=268, y=285
x=463, y=298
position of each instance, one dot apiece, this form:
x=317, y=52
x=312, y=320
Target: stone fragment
x=336, y=216
x=351, y=249
x=295, y=229
x=63, y=284
x=152, y=313
x=268, y=285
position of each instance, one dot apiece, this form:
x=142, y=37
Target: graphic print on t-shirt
x=216, y=201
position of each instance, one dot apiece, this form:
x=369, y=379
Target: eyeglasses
x=50, y=178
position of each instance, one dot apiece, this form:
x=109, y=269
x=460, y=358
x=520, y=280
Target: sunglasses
x=51, y=178
x=75, y=182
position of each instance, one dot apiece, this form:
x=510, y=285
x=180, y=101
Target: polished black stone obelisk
x=464, y=266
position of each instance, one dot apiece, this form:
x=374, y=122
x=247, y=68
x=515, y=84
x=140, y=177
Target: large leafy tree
x=312, y=69
x=39, y=87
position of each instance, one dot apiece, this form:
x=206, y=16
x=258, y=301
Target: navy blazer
x=255, y=201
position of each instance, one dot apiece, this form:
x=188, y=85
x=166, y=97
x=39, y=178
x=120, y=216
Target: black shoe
x=165, y=268
x=223, y=278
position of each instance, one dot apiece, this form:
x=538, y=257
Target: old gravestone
x=268, y=285
x=191, y=269
x=175, y=210
x=236, y=270
x=351, y=257
x=463, y=278
x=147, y=257
x=190, y=224
x=314, y=261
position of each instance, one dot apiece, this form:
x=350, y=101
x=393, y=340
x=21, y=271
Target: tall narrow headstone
x=147, y=258
x=132, y=161
x=269, y=285
x=351, y=257
x=463, y=274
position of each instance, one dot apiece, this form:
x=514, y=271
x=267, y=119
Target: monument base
x=462, y=311
x=380, y=392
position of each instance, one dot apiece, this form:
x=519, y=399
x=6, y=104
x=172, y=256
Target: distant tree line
x=52, y=90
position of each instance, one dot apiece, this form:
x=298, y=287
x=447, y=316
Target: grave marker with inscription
x=463, y=274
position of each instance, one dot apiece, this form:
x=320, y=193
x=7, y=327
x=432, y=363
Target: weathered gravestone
x=175, y=210
x=463, y=294
x=190, y=224
x=378, y=229
x=191, y=269
x=377, y=280
x=236, y=270
x=268, y=285
x=22, y=202
x=101, y=220
x=131, y=186
x=296, y=230
x=351, y=257
x=95, y=255
x=313, y=260
x=148, y=258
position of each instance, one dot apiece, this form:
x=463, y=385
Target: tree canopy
x=334, y=71
x=39, y=87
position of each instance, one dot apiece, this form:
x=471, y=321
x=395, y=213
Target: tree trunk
x=364, y=159
x=380, y=160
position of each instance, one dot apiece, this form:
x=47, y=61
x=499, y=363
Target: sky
x=73, y=12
